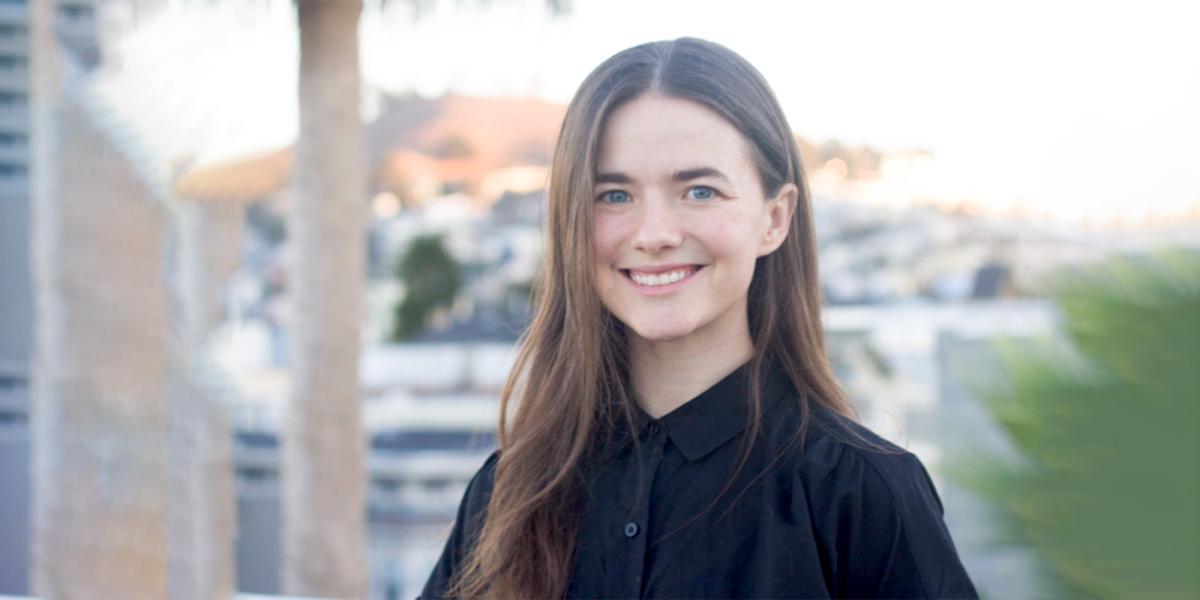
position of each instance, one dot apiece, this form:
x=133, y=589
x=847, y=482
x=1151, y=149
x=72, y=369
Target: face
x=680, y=218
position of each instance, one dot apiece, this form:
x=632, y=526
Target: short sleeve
x=465, y=532
x=880, y=527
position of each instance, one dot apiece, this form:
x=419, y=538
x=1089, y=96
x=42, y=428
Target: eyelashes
x=701, y=193
x=615, y=197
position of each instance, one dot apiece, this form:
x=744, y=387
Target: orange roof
x=244, y=180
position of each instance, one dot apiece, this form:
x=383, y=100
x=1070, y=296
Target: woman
x=677, y=430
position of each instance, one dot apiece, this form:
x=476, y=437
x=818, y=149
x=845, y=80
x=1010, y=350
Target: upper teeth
x=661, y=278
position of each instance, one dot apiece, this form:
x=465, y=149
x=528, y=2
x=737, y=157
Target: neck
x=668, y=374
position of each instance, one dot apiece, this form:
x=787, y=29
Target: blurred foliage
x=1105, y=424
x=431, y=280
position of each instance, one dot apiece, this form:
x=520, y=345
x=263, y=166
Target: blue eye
x=701, y=192
x=615, y=197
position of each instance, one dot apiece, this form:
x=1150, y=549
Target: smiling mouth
x=660, y=279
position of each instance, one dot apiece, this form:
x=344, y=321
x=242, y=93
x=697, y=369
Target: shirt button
x=631, y=529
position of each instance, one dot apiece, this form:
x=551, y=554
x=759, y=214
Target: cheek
x=606, y=238
x=734, y=238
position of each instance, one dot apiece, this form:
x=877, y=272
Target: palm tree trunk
x=323, y=475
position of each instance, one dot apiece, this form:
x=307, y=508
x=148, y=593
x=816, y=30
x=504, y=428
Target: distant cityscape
x=917, y=287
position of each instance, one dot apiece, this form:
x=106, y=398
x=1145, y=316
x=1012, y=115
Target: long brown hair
x=570, y=380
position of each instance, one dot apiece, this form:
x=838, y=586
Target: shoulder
x=838, y=453
x=487, y=471
x=464, y=534
x=850, y=458
x=472, y=509
x=479, y=488
x=876, y=514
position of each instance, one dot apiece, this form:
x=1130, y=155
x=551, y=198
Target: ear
x=777, y=219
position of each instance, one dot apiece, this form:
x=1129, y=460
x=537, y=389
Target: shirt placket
x=636, y=529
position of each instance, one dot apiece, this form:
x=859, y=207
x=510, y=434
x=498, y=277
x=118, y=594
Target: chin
x=662, y=332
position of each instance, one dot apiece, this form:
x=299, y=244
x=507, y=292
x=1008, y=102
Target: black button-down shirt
x=834, y=519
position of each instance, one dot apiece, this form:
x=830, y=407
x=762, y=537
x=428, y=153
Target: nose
x=658, y=227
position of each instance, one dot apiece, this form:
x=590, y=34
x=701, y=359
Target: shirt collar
x=707, y=421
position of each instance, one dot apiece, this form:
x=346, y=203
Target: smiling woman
x=678, y=431
x=675, y=256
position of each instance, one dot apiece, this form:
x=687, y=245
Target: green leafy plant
x=431, y=280
x=1105, y=423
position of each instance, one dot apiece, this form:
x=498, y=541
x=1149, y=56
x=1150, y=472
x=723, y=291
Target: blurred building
x=16, y=312
x=74, y=21
x=430, y=411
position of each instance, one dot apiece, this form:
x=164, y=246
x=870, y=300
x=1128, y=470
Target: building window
x=75, y=11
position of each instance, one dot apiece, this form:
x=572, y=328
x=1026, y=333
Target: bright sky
x=1089, y=107
x=1086, y=105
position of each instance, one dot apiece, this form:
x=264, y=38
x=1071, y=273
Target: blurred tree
x=323, y=465
x=1107, y=429
x=431, y=280
x=323, y=483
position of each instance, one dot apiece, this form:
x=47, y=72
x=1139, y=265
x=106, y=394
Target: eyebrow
x=699, y=172
x=677, y=176
x=613, y=178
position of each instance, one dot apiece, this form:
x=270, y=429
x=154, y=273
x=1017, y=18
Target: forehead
x=656, y=135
